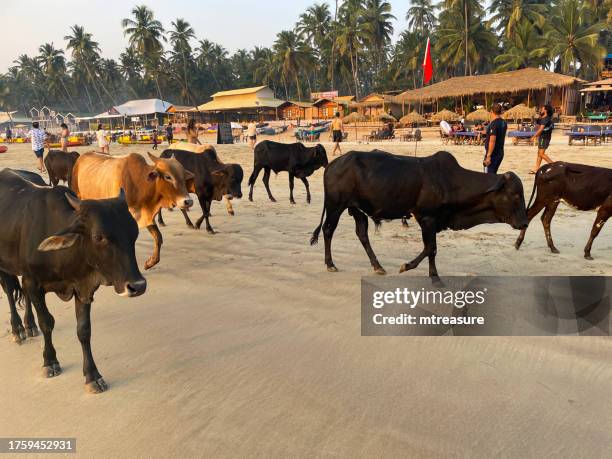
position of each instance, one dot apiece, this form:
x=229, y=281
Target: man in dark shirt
x=494, y=141
x=169, y=133
x=543, y=134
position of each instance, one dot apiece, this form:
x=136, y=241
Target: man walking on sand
x=169, y=133
x=102, y=140
x=494, y=141
x=252, y=133
x=38, y=139
x=544, y=133
x=337, y=128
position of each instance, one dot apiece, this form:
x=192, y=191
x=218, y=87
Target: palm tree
x=378, y=29
x=146, y=35
x=421, y=16
x=180, y=37
x=407, y=57
x=53, y=65
x=526, y=48
x=266, y=68
x=574, y=38
x=350, y=36
x=293, y=55
x=509, y=13
x=313, y=25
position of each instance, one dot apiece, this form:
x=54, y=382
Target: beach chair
x=586, y=134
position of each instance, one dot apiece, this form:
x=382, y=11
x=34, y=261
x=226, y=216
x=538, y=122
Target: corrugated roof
x=237, y=92
x=299, y=104
x=142, y=107
x=605, y=82
x=236, y=103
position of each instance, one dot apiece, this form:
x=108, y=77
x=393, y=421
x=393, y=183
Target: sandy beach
x=244, y=345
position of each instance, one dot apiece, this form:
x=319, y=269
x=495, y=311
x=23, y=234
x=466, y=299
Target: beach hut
x=294, y=110
x=384, y=117
x=519, y=112
x=479, y=115
x=375, y=104
x=412, y=118
x=445, y=115
x=256, y=103
x=355, y=117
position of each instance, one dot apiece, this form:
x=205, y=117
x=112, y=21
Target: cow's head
x=172, y=182
x=74, y=155
x=227, y=181
x=320, y=156
x=507, y=200
x=104, y=234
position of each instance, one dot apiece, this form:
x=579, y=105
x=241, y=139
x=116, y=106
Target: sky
x=235, y=24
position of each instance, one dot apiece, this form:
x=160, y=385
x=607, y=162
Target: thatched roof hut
x=354, y=117
x=445, y=115
x=412, y=117
x=479, y=115
x=519, y=112
x=384, y=117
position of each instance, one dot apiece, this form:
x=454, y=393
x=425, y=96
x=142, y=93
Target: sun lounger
x=586, y=134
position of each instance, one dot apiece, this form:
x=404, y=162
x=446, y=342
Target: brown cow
x=147, y=188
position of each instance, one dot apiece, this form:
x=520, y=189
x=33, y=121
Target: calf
x=147, y=188
x=58, y=243
x=59, y=165
x=212, y=178
x=300, y=161
x=436, y=190
x=580, y=186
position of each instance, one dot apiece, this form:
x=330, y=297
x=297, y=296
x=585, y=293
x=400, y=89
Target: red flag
x=427, y=65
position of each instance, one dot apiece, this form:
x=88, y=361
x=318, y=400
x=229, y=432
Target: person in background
x=154, y=138
x=252, y=133
x=544, y=133
x=494, y=141
x=102, y=141
x=192, y=132
x=38, y=139
x=169, y=133
x=64, y=137
x=9, y=134
x=337, y=128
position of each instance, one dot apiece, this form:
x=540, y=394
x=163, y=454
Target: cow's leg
x=51, y=366
x=187, y=219
x=28, y=319
x=19, y=333
x=157, y=243
x=160, y=219
x=94, y=383
x=252, y=180
x=534, y=210
x=266, y=180
x=291, y=184
x=603, y=214
x=305, y=182
x=228, y=205
x=547, y=217
x=428, y=232
x=405, y=222
x=205, y=204
x=329, y=226
x=361, y=228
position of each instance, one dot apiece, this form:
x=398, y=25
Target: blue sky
x=26, y=24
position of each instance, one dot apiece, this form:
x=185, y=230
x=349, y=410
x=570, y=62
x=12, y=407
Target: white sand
x=245, y=345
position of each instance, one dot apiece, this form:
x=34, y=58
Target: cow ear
x=189, y=175
x=73, y=201
x=58, y=242
x=220, y=172
x=121, y=194
x=498, y=185
x=153, y=158
x=152, y=176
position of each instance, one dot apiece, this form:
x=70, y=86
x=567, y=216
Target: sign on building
x=324, y=95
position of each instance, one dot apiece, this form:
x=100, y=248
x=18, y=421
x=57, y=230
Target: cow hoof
x=517, y=245
x=52, y=370
x=292, y=201
x=19, y=336
x=231, y=212
x=588, y=257
x=437, y=282
x=32, y=332
x=332, y=269
x=251, y=198
x=380, y=271
x=96, y=387
x=272, y=199
x=554, y=250
x=162, y=224
x=406, y=267
x=210, y=231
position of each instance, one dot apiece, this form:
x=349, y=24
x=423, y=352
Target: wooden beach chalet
x=376, y=104
x=326, y=108
x=292, y=110
x=256, y=103
x=531, y=86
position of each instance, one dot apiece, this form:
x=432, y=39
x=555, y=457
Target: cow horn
x=153, y=158
x=73, y=201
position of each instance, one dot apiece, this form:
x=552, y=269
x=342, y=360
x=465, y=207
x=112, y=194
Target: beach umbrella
x=411, y=118
x=445, y=115
x=354, y=117
x=519, y=112
x=384, y=117
x=479, y=115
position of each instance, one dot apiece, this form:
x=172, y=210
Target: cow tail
x=252, y=178
x=533, y=192
x=315, y=235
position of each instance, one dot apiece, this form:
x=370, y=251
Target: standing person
x=9, y=135
x=169, y=133
x=102, y=141
x=64, y=137
x=192, y=132
x=38, y=139
x=252, y=133
x=154, y=139
x=544, y=133
x=494, y=141
x=337, y=132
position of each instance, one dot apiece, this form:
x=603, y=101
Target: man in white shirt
x=102, y=141
x=38, y=139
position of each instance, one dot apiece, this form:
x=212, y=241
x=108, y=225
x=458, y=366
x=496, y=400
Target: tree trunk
x=465, y=12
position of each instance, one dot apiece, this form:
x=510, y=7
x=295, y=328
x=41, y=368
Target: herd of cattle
x=71, y=240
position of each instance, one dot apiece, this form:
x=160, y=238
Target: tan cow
x=147, y=188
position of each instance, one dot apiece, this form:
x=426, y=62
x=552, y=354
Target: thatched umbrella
x=354, y=117
x=519, y=112
x=479, y=115
x=445, y=115
x=384, y=117
x=412, y=117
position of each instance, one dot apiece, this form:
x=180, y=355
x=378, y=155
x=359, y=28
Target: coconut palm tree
x=509, y=13
x=526, y=48
x=378, y=28
x=420, y=16
x=266, y=69
x=407, y=57
x=53, y=65
x=294, y=57
x=351, y=36
x=180, y=36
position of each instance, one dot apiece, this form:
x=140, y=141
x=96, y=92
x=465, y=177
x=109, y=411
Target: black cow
x=58, y=243
x=436, y=190
x=580, y=186
x=213, y=180
x=300, y=161
x=59, y=165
